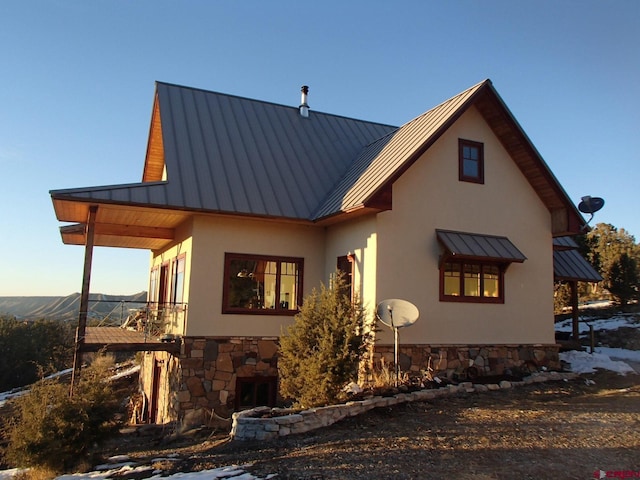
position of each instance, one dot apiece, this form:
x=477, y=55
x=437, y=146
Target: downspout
x=84, y=296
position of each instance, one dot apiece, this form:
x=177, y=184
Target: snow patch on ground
x=583, y=362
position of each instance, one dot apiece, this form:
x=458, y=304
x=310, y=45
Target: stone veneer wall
x=202, y=380
x=455, y=360
x=209, y=367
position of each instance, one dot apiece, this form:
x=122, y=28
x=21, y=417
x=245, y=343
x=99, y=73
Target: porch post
x=575, y=314
x=84, y=296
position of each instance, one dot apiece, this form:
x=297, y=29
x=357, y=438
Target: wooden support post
x=575, y=313
x=84, y=296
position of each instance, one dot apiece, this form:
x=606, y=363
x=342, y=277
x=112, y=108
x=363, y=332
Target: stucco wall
x=212, y=237
x=358, y=238
x=429, y=196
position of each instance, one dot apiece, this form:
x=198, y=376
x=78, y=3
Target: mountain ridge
x=101, y=306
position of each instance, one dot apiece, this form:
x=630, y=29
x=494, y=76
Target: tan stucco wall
x=429, y=196
x=212, y=237
x=358, y=238
x=396, y=252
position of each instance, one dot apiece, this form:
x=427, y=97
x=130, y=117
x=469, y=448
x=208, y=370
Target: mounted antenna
x=590, y=205
x=396, y=313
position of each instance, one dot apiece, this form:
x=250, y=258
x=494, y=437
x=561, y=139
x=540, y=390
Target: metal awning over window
x=480, y=247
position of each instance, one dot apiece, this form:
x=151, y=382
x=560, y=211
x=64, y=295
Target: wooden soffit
x=120, y=225
x=154, y=160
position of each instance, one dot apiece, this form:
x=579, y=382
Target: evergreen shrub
x=321, y=351
x=56, y=431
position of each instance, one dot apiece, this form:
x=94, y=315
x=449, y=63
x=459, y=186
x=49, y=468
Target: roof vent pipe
x=304, y=107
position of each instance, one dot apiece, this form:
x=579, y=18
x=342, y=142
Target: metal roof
x=476, y=246
x=571, y=266
x=216, y=153
x=563, y=243
x=231, y=154
x=386, y=158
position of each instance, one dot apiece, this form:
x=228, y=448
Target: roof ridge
x=267, y=102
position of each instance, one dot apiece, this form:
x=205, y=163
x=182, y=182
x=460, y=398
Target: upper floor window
x=261, y=284
x=471, y=161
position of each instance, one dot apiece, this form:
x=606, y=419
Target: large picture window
x=462, y=281
x=260, y=284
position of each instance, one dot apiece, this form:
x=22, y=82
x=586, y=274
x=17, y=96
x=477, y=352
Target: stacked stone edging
x=252, y=424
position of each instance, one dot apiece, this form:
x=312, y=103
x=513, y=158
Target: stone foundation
x=199, y=386
x=203, y=378
x=468, y=361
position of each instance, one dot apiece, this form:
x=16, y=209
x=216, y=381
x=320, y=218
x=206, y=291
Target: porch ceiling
x=124, y=226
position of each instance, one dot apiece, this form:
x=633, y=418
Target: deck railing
x=158, y=320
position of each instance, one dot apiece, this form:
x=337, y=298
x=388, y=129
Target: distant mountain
x=108, y=308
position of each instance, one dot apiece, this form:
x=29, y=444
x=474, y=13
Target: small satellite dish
x=397, y=313
x=590, y=205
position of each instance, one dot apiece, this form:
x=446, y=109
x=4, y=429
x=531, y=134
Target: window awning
x=476, y=246
x=569, y=265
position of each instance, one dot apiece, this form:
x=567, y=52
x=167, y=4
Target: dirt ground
x=557, y=430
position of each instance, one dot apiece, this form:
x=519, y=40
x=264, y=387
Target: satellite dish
x=396, y=313
x=590, y=205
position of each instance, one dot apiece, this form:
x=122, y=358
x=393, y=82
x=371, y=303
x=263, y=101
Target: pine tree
x=320, y=353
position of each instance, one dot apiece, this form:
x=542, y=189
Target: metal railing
x=158, y=320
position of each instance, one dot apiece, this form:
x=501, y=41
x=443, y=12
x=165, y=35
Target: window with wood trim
x=262, y=284
x=345, y=265
x=470, y=161
x=177, y=279
x=467, y=281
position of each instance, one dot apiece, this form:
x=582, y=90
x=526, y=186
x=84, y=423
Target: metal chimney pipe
x=304, y=107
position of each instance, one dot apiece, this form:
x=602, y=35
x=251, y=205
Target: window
x=467, y=281
x=259, y=284
x=345, y=265
x=471, y=161
x=177, y=280
x=153, y=285
x=254, y=392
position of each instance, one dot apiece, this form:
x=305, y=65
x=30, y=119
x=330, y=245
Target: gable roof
x=215, y=153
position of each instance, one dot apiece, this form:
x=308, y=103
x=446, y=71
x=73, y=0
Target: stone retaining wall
x=264, y=423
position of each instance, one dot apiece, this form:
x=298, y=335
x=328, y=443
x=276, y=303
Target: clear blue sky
x=77, y=83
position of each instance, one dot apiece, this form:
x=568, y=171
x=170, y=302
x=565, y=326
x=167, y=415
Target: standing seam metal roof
x=233, y=154
x=479, y=246
x=387, y=156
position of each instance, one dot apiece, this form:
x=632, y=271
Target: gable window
x=471, y=161
x=261, y=284
x=466, y=281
